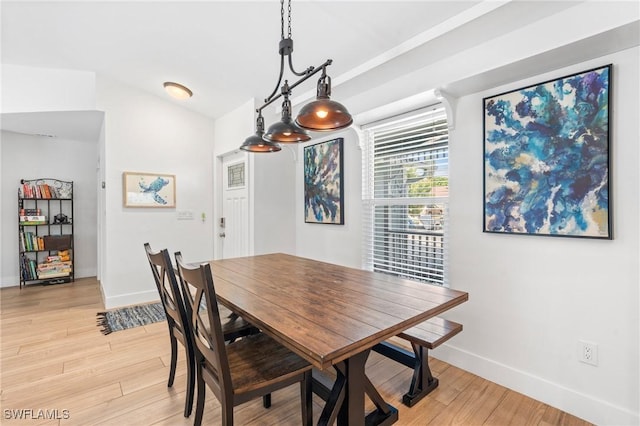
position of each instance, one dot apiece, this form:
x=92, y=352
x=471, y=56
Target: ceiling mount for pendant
x=321, y=115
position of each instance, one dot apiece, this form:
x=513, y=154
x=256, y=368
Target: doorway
x=233, y=224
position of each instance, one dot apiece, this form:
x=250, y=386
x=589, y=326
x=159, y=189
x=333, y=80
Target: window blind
x=405, y=195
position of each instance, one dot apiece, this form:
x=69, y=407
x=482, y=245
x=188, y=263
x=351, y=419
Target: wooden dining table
x=332, y=316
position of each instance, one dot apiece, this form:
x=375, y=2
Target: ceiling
x=225, y=51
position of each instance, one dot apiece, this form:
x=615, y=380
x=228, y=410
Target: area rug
x=129, y=317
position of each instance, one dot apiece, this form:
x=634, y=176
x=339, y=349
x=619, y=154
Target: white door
x=233, y=227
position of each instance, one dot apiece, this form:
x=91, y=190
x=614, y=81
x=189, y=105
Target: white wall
x=31, y=157
x=532, y=298
x=144, y=133
x=275, y=197
x=340, y=244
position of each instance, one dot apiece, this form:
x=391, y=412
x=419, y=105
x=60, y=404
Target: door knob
x=222, y=235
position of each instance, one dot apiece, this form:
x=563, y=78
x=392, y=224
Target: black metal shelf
x=48, y=205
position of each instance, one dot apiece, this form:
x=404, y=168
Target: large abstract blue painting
x=323, y=190
x=546, y=158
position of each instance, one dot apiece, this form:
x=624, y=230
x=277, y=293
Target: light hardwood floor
x=54, y=358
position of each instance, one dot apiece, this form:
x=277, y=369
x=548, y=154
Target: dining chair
x=238, y=372
x=178, y=322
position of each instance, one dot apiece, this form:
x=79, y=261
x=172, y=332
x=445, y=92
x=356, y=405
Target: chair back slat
x=197, y=285
x=168, y=289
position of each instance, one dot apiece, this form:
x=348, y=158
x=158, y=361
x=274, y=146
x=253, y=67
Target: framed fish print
x=148, y=190
x=323, y=186
x=546, y=158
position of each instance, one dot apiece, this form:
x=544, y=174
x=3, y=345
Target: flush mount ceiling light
x=321, y=115
x=177, y=91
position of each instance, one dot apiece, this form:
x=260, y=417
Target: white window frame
x=370, y=201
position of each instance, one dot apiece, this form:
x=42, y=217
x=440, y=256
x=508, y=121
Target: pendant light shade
x=323, y=114
x=286, y=130
x=255, y=143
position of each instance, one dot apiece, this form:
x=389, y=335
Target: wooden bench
x=427, y=335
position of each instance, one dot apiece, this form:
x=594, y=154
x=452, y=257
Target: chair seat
x=257, y=360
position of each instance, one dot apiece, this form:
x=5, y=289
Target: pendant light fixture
x=286, y=130
x=255, y=143
x=321, y=115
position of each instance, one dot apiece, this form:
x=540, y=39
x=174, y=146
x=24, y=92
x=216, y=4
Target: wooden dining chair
x=178, y=322
x=238, y=372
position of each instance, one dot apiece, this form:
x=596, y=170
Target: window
x=235, y=177
x=405, y=195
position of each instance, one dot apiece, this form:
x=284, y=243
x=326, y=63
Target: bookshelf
x=45, y=231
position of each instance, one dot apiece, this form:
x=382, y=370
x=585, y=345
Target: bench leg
x=423, y=381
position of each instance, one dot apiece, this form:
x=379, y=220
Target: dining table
x=332, y=316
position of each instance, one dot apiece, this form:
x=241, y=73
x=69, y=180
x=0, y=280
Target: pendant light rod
x=285, y=48
x=275, y=89
x=323, y=114
x=299, y=74
x=287, y=88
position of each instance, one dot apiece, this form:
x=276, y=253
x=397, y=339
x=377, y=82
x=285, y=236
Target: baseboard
x=10, y=282
x=571, y=401
x=85, y=272
x=120, y=300
x=14, y=281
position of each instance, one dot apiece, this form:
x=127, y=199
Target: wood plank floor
x=56, y=365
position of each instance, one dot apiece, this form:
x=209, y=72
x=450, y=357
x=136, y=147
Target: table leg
x=352, y=410
x=334, y=400
x=345, y=402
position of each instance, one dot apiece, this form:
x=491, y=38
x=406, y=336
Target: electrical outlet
x=588, y=352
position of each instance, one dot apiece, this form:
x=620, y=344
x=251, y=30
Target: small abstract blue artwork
x=546, y=158
x=148, y=190
x=323, y=189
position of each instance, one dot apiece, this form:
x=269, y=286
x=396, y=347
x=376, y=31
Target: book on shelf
x=54, y=268
x=30, y=212
x=43, y=276
x=33, y=220
x=42, y=190
x=58, y=265
x=31, y=242
x=26, y=240
x=32, y=269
